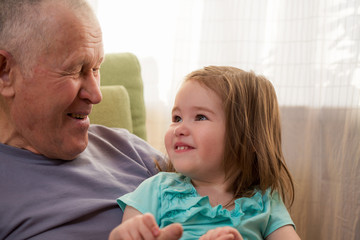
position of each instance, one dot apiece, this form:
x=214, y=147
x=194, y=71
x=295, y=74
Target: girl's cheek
x=168, y=139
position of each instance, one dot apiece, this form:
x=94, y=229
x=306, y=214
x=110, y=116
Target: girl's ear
x=6, y=81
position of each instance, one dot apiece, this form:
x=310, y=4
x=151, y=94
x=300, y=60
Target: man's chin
x=68, y=151
x=74, y=152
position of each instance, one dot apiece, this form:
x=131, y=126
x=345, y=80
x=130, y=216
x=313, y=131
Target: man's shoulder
x=102, y=130
x=113, y=135
x=120, y=142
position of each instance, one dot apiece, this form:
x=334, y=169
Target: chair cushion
x=124, y=69
x=114, y=109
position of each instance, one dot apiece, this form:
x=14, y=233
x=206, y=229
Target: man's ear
x=6, y=81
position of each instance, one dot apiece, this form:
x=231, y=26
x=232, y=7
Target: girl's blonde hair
x=253, y=157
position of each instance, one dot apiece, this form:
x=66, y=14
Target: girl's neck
x=217, y=192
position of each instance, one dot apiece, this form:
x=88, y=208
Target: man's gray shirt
x=43, y=198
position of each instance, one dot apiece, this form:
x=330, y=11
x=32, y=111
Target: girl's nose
x=181, y=130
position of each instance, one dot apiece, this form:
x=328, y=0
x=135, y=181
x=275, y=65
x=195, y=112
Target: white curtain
x=309, y=49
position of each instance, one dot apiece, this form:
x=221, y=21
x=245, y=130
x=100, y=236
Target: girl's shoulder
x=267, y=208
x=263, y=203
x=259, y=195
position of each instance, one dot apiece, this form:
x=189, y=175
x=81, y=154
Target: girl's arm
x=135, y=225
x=284, y=233
x=130, y=212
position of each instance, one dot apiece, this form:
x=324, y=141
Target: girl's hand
x=222, y=233
x=137, y=227
x=143, y=226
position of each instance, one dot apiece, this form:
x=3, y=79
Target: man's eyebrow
x=73, y=67
x=101, y=60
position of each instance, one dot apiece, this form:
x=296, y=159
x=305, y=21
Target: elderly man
x=59, y=176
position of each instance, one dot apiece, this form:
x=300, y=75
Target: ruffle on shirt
x=181, y=201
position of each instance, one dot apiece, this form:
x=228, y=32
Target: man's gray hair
x=23, y=29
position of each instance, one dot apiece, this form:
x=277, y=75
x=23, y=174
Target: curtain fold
x=321, y=146
x=310, y=50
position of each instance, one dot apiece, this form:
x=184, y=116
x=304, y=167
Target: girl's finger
x=151, y=226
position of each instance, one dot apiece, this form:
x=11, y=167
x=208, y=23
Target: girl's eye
x=200, y=117
x=176, y=119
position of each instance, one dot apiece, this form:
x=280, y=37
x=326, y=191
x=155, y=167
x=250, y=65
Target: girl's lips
x=182, y=147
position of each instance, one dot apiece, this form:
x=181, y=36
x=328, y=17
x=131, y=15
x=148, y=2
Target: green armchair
x=123, y=103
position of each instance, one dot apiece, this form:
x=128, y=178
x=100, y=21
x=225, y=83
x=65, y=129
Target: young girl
x=224, y=144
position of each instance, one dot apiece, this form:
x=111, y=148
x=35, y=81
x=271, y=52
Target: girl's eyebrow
x=204, y=109
x=174, y=109
x=196, y=108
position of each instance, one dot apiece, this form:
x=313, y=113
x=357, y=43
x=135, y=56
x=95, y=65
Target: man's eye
x=73, y=75
x=96, y=71
x=176, y=119
x=200, y=117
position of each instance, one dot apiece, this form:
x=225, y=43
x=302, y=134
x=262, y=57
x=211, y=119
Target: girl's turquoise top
x=171, y=198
